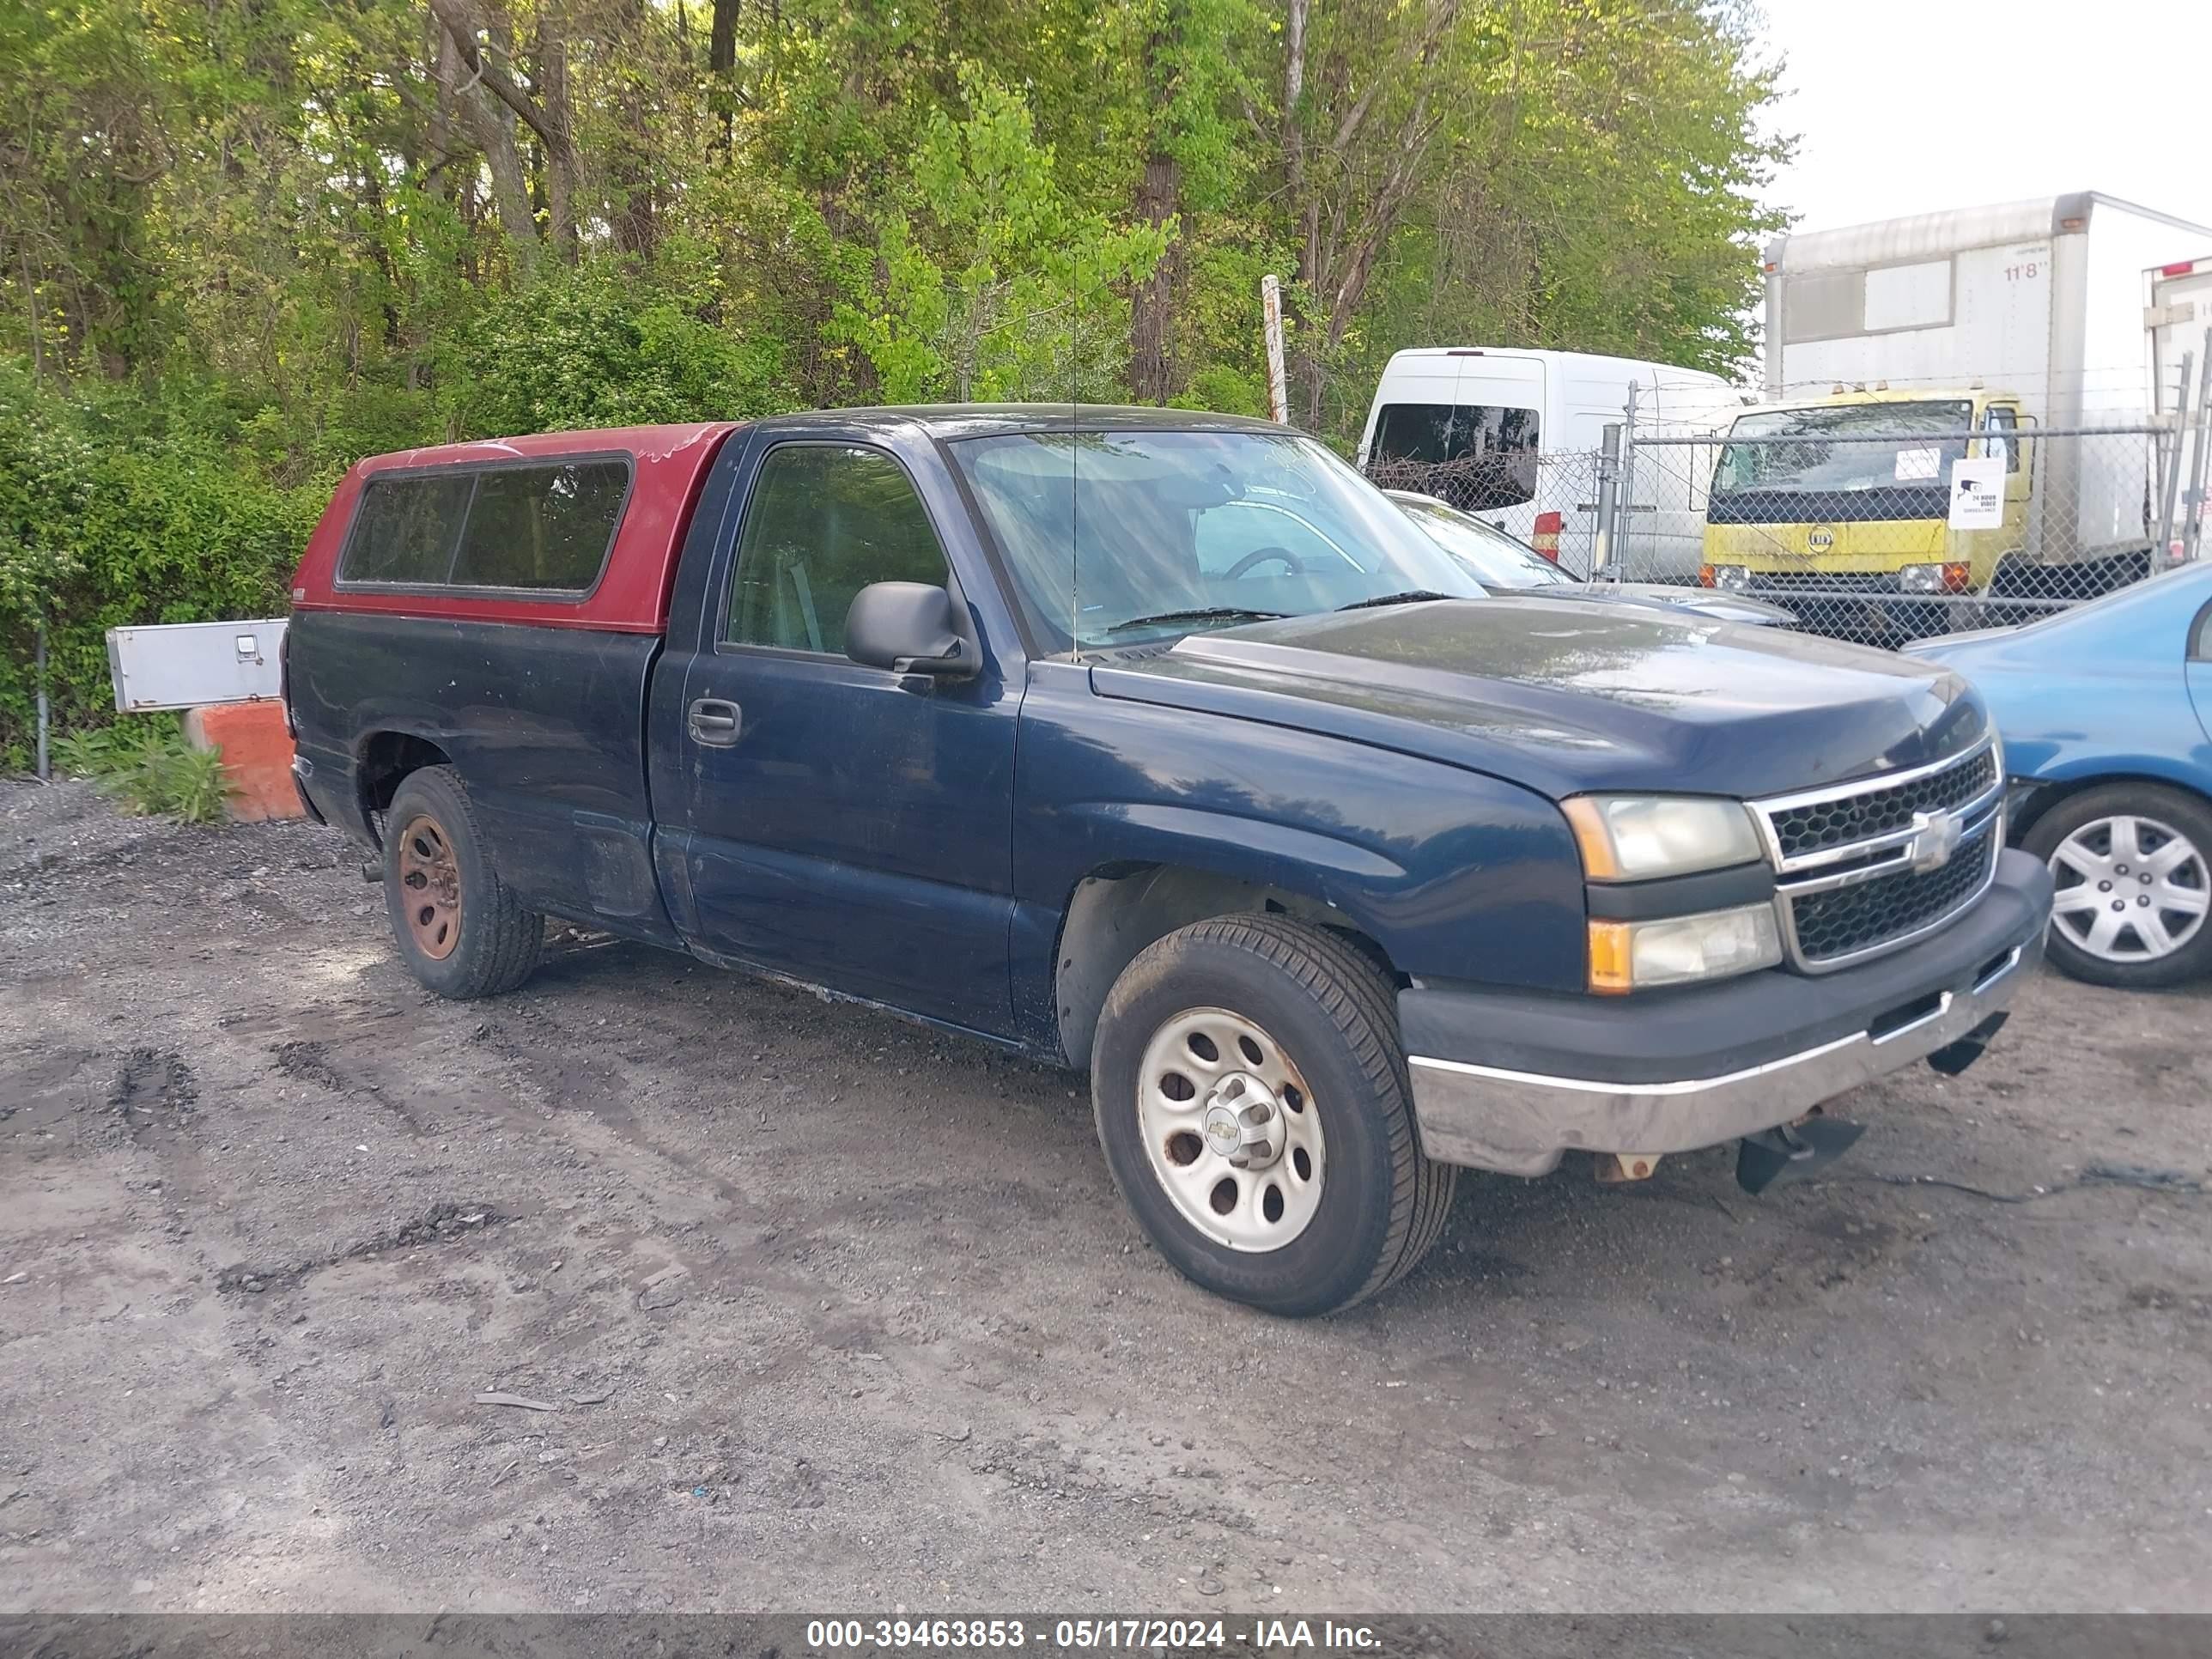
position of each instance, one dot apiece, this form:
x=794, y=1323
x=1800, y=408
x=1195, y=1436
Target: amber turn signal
x=1587, y=819
x=1612, y=967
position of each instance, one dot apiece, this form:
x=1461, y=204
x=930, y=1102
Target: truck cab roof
x=952, y=421
x=1859, y=398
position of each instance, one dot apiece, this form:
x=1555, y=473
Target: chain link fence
x=1865, y=523
x=1551, y=502
x=1883, y=533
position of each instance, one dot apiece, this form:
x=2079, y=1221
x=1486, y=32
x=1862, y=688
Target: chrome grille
x=1844, y=922
x=1855, y=875
x=1819, y=824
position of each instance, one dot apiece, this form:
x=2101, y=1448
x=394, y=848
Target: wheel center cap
x=1243, y=1121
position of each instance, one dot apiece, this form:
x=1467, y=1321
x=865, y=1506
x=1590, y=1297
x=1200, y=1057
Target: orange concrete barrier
x=257, y=756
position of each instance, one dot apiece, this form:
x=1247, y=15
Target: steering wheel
x=1295, y=565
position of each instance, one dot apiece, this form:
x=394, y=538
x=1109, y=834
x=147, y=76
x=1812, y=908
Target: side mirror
x=910, y=628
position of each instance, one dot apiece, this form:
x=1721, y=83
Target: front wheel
x=2133, y=867
x=1251, y=1098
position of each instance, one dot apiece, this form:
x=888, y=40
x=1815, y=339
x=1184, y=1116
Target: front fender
x=1261, y=850
x=1455, y=874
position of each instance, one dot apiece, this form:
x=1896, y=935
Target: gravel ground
x=838, y=1312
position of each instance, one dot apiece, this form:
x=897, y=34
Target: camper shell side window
x=540, y=527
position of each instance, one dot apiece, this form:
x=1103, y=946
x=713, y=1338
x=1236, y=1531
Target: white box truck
x=1511, y=435
x=2038, y=303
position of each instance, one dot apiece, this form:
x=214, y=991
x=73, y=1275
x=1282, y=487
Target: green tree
x=993, y=284
x=1547, y=172
x=242, y=245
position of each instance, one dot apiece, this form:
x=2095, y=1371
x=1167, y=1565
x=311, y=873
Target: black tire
x=1381, y=1203
x=496, y=940
x=2188, y=817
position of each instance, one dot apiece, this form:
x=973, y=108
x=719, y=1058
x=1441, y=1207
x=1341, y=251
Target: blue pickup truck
x=1163, y=746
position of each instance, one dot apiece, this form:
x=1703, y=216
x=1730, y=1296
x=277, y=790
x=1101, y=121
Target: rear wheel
x=1251, y=1098
x=460, y=930
x=2133, y=864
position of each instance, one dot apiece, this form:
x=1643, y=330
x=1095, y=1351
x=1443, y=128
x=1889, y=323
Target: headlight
x=1728, y=578
x=1632, y=837
x=1954, y=577
x=1636, y=956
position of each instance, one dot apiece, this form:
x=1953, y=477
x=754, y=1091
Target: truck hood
x=1565, y=697
x=1706, y=601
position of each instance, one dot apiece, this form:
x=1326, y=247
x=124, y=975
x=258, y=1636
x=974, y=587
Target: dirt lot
x=838, y=1312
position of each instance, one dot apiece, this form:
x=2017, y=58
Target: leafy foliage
x=150, y=769
x=242, y=246
x=88, y=753
x=577, y=349
x=112, y=514
x=984, y=293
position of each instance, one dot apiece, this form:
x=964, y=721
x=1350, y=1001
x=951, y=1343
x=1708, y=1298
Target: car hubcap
x=429, y=888
x=2129, y=889
x=1230, y=1130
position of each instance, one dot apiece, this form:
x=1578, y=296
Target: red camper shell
x=557, y=530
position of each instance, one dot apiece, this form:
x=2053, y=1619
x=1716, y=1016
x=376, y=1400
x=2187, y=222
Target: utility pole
x=1271, y=307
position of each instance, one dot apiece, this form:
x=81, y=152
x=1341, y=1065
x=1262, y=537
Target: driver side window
x=825, y=521
x=2001, y=423
x=1255, y=535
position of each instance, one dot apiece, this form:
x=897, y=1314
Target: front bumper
x=1513, y=1082
x=1861, y=610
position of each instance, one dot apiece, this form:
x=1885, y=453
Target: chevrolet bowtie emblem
x=1935, y=838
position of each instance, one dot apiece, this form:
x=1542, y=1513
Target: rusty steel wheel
x=460, y=930
x=431, y=880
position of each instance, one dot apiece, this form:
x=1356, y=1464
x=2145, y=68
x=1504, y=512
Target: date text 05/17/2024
x=954, y=1634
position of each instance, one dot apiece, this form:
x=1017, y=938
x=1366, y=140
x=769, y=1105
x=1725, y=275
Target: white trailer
x=2045, y=297
x=2177, y=320
x=2042, y=298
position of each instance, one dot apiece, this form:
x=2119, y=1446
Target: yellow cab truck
x=1841, y=504
x=2019, y=326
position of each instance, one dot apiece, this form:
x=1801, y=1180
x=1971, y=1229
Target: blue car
x=2105, y=711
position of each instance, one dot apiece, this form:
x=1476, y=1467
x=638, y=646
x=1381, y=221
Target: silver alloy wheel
x=1231, y=1129
x=2130, y=889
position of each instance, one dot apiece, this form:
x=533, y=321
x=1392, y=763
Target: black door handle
x=713, y=722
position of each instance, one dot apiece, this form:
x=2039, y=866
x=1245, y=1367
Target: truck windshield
x=1848, y=447
x=1491, y=556
x=1116, y=538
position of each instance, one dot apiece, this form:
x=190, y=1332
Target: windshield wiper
x=1201, y=613
x=1411, y=596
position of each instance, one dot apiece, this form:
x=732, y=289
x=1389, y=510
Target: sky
x=1911, y=107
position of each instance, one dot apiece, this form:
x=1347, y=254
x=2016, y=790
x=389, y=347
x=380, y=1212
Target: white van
x=1521, y=430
